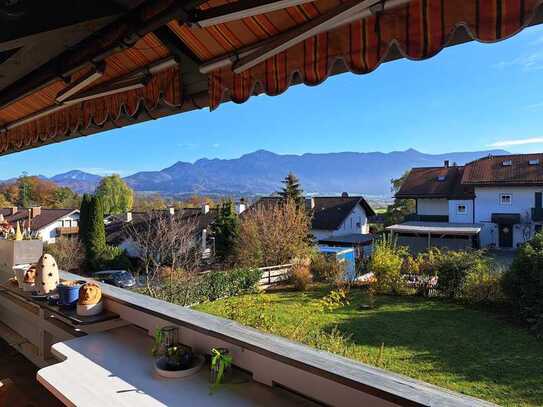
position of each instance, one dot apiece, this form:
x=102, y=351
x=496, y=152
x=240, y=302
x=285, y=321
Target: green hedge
x=207, y=287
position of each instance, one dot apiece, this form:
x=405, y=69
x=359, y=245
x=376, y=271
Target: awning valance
x=506, y=218
x=160, y=90
x=418, y=29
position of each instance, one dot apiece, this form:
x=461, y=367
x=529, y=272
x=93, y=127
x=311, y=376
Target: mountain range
x=260, y=172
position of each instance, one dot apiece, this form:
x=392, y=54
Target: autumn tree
x=401, y=207
x=146, y=203
x=273, y=235
x=116, y=196
x=292, y=191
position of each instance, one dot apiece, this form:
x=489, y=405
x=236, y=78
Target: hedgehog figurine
x=47, y=276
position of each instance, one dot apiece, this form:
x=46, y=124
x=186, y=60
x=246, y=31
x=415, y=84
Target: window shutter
x=538, y=199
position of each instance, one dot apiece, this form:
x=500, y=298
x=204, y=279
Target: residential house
x=44, y=223
x=495, y=201
x=340, y=221
x=117, y=227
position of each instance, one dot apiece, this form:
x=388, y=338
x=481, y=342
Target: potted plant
x=221, y=362
x=173, y=358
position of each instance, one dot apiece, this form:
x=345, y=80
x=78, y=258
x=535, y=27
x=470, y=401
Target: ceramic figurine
x=90, y=299
x=29, y=280
x=47, y=277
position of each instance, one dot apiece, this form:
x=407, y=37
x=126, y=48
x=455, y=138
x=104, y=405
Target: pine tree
x=225, y=229
x=292, y=190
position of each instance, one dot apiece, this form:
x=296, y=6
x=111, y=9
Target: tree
x=84, y=219
x=116, y=196
x=226, y=229
x=273, y=235
x=292, y=190
x=146, y=203
x=68, y=253
x=25, y=191
x=167, y=240
x=401, y=207
x=96, y=232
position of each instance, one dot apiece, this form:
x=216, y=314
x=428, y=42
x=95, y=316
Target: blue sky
x=469, y=97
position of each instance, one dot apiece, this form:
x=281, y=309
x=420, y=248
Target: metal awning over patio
x=93, y=67
x=354, y=239
x=437, y=228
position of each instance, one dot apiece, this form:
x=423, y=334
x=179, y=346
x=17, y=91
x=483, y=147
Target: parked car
x=118, y=278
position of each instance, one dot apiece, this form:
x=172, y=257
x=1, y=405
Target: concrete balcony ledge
x=272, y=360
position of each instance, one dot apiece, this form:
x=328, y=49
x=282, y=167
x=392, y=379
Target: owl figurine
x=47, y=277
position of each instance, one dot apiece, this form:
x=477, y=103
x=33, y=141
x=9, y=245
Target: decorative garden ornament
x=90, y=299
x=18, y=234
x=47, y=276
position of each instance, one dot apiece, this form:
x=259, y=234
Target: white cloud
x=216, y=145
x=519, y=142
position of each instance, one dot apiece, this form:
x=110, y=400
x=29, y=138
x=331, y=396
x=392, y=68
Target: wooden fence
x=274, y=275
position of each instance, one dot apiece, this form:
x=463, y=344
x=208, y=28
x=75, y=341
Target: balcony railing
x=277, y=368
x=72, y=230
x=537, y=214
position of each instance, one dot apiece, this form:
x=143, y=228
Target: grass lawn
x=466, y=350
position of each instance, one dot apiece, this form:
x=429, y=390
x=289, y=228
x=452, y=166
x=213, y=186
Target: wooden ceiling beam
x=240, y=9
x=122, y=33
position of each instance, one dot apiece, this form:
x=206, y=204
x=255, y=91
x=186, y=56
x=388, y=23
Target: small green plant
x=220, y=361
x=335, y=299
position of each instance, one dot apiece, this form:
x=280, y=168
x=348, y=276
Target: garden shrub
x=188, y=288
x=301, y=276
x=483, y=285
x=113, y=258
x=326, y=269
x=454, y=267
x=523, y=283
x=386, y=265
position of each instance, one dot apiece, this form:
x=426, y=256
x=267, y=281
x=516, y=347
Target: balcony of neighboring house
x=67, y=230
x=105, y=359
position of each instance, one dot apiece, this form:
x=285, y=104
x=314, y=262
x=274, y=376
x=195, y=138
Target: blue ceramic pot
x=68, y=295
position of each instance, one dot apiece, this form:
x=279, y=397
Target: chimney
x=35, y=211
x=205, y=208
x=446, y=164
x=128, y=216
x=344, y=195
x=13, y=210
x=240, y=206
x=171, y=210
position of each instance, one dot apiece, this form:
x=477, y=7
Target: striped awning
x=417, y=29
x=166, y=56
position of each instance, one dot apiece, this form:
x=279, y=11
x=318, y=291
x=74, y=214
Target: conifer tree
x=292, y=190
x=225, y=229
x=84, y=219
x=96, y=233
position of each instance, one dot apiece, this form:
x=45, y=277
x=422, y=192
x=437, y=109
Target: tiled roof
x=458, y=182
x=491, y=171
x=435, y=182
x=116, y=230
x=328, y=212
x=46, y=217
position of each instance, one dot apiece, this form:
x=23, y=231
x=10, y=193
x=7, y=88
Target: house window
x=506, y=199
x=507, y=163
x=461, y=209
